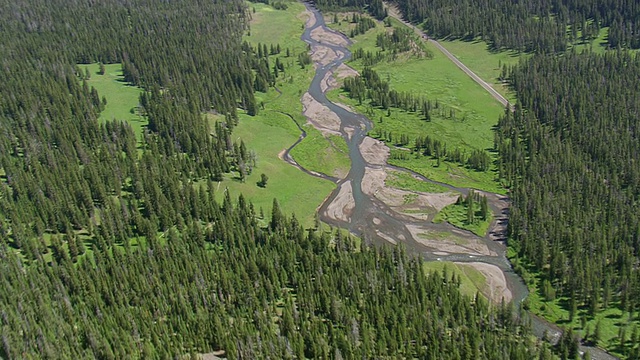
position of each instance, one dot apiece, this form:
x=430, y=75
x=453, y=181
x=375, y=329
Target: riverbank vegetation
x=323, y=154
x=426, y=97
x=470, y=213
x=275, y=126
x=405, y=181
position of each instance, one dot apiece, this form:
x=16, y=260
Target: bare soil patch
x=496, y=289
x=418, y=205
x=344, y=71
x=460, y=243
x=320, y=116
x=342, y=206
x=500, y=208
x=386, y=237
x=308, y=17
x=374, y=152
x=328, y=82
x=333, y=79
x=323, y=35
x=322, y=55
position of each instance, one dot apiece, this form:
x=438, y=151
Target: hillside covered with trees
x=570, y=154
x=113, y=245
x=541, y=26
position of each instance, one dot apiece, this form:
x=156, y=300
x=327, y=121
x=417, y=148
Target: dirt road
x=393, y=12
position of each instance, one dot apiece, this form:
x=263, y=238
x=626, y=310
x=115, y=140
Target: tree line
x=569, y=154
x=114, y=246
x=532, y=26
x=369, y=86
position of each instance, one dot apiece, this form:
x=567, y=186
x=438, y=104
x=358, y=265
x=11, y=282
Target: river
x=376, y=222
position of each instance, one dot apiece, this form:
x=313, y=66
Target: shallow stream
x=370, y=217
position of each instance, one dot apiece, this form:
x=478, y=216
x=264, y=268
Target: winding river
x=375, y=221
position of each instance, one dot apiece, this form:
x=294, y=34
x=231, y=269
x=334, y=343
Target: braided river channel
x=360, y=205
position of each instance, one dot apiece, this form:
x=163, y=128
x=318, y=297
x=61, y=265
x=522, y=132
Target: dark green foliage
x=374, y=7
x=263, y=180
x=571, y=159
x=232, y=286
x=530, y=25
x=363, y=23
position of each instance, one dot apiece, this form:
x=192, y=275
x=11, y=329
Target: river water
x=370, y=217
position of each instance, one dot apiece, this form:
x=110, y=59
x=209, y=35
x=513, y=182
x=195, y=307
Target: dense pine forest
x=541, y=26
x=113, y=245
x=570, y=153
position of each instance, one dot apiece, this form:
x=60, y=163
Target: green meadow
x=487, y=64
x=122, y=98
x=275, y=127
x=268, y=135
x=464, y=119
x=405, y=181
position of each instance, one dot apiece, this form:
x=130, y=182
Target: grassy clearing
x=456, y=215
x=122, y=99
x=326, y=155
x=598, y=45
x=299, y=193
x=487, y=64
x=404, y=181
x=475, y=112
x=272, y=130
x=471, y=280
x=271, y=26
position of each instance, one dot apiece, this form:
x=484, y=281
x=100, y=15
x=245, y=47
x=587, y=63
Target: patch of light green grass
x=487, y=64
x=456, y=215
x=443, y=236
x=471, y=280
x=598, y=44
x=268, y=134
x=122, y=98
x=271, y=26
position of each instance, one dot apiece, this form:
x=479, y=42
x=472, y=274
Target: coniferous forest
x=541, y=26
x=570, y=154
x=114, y=246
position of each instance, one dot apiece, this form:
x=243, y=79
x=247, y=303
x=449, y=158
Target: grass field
x=272, y=130
x=456, y=215
x=296, y=192
x=475, y=111
x=122, y=99
x=471, y=280
x=487, y=64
